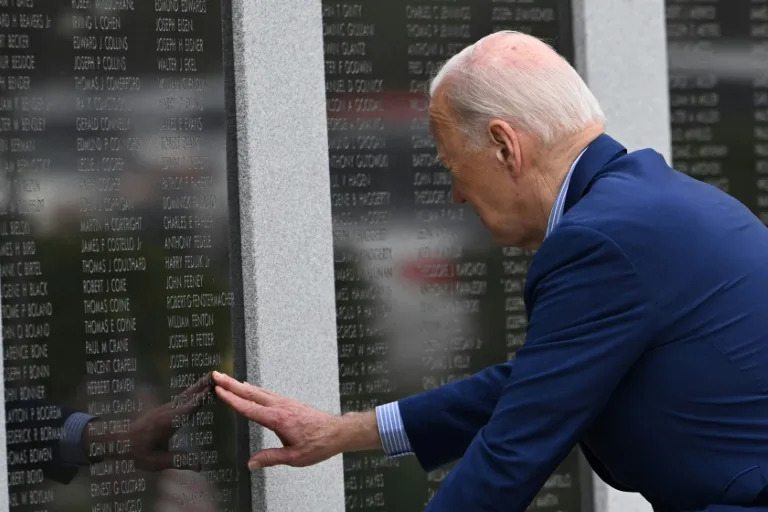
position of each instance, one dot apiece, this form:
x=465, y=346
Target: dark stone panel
x=718, y=51
x=119, y=255
x=424, y=296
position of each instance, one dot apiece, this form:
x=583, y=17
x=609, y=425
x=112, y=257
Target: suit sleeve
x=590, y=321
x=441, y=423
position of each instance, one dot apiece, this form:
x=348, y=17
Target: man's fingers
x=273, y=457
x=200, y=386
x=251, y=410
x=243, y=390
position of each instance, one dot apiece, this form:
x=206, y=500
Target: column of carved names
x=26, y=305
x=190, y=204
x=719, y=95
x=694, y=29
x=452, y=273
x=758, y=18
x=361, y=197
x=187, y=201
x=111, y=231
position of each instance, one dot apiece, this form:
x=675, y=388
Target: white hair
x=550, y=102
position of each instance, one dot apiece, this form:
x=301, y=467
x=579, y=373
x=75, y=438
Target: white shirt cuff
x=392, y=430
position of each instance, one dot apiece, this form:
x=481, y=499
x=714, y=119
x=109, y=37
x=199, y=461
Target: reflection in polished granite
x=116, y=258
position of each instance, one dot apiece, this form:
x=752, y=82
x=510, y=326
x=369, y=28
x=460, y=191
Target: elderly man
x=647, y=299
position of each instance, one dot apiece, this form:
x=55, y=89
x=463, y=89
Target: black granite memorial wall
x=718, y=55
x=119, y=255
x=424, y=296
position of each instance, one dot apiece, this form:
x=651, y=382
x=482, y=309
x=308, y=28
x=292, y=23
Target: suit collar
x=600, y=152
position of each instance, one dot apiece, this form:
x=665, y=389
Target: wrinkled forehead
x=450, y=140
x=441, y=118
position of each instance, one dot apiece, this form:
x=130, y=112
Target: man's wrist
x=359, y=431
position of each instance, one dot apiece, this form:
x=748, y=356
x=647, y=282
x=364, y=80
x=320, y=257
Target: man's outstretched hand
x=309, y=436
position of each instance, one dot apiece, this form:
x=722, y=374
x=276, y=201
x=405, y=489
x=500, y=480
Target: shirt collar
x=557, y=209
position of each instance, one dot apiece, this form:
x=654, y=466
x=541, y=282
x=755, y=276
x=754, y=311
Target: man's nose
x=457, y=197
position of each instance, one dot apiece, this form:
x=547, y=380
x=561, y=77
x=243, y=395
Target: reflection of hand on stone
x=309, y=436
x=151, y=431
x=146, y=438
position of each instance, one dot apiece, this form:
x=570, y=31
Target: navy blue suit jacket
x=647, y=345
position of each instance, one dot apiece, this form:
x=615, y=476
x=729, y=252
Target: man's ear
x=501, y=147
x=506, y=145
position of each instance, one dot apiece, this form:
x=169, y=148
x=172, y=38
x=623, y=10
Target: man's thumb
x=271, y=457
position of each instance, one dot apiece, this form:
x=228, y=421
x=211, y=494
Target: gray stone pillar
x=286, y=231
x=621, y=51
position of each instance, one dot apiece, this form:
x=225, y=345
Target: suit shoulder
x=684, y=237
x=639, y=199
x=579, y=251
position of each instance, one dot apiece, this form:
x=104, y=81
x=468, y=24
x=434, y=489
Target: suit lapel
x=600, y=153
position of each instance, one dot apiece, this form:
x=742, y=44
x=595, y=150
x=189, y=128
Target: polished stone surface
x=116, y=255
